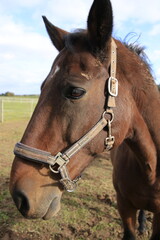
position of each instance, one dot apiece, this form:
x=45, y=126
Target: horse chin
x=53, y=209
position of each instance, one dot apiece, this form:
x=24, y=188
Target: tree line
x=11, y=94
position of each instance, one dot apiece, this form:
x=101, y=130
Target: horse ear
x=56, y=34
x=100, y=23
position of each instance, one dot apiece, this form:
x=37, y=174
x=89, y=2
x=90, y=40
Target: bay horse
x=98, y=94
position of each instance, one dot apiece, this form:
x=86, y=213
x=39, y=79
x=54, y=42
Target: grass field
x=17, y=108
x=90, y=213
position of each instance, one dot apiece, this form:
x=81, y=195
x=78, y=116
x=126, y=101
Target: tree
x=8, y=94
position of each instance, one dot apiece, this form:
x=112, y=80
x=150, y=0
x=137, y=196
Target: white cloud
x=155, y=30
x=26, y=53
x=67, y=14
x=25, y=57
x=142, y=10
x=154, y=55
x=10, y=4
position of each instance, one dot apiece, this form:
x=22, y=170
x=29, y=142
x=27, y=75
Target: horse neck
x=147, y=100
x=151, y=115
x=146, y=97
x=144, y=91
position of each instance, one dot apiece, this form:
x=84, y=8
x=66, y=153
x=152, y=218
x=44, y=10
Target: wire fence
x=13, y=108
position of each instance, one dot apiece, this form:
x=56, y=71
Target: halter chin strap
x=57, y=164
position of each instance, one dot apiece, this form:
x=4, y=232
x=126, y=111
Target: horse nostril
x=22, y=202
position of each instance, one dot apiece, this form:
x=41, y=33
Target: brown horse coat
x=72, y=100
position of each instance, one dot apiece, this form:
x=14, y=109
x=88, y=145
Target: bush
x=8, y=94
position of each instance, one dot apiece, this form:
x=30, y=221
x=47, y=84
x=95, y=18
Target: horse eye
x=74, y=92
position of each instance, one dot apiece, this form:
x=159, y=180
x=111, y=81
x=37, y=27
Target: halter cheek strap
x=112, y=93
x=61, y=160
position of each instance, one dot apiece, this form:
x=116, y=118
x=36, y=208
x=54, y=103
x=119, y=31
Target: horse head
x=72, y=101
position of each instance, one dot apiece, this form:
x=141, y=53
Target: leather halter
x=61, y=160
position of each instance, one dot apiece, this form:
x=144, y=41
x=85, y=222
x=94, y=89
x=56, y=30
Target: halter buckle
x=109, y=142
x=68, y=184
x=61, y=160
x=113, y=86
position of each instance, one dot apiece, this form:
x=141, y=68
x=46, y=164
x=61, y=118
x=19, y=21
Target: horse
x=99, y=94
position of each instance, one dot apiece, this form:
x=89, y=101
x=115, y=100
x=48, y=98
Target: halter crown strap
x=112, y=81
x=61, y=159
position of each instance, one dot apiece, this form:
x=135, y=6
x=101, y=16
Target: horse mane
x=137, y=49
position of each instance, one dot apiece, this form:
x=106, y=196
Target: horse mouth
x=53, y=209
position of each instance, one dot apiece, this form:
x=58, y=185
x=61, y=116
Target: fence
x=16, y=108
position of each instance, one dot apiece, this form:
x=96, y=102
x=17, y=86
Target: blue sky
x=26, y=53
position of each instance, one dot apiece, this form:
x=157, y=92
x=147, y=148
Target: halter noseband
x=62, y=159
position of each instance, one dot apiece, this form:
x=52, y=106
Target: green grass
x=18, y=108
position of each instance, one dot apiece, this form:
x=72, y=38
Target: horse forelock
x=79, y=41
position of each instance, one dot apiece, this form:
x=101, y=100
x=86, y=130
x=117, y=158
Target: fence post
x=1, y=110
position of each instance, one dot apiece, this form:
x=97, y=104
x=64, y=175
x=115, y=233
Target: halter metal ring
x=109, y=112
x=54, y=171
x=59, y=160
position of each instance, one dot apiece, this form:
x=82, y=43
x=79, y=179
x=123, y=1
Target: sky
x=26, y=52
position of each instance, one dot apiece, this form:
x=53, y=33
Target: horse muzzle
x=32, y=209
x=35, y=195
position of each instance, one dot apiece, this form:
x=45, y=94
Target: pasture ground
x=16, y=106
x=88, y=213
